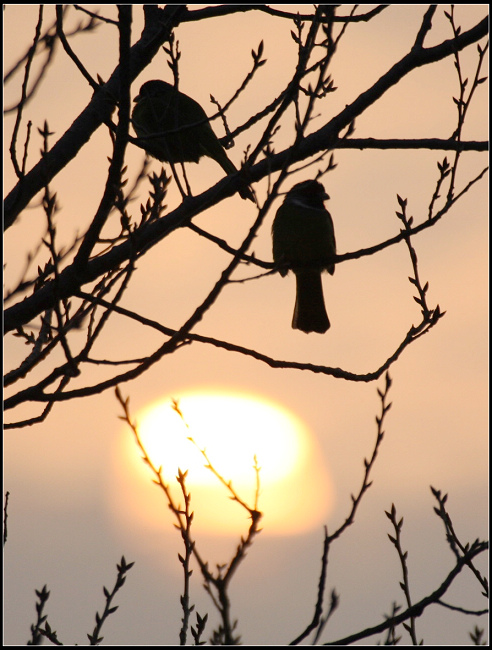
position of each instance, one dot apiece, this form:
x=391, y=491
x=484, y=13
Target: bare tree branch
x=101, y=106
x=157, y=28
x=418, y=608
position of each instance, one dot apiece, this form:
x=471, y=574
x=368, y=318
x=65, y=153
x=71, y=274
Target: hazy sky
x=80, y=496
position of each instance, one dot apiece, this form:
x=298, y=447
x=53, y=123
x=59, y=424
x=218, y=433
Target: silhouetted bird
x=304, y=242
x=174, y=128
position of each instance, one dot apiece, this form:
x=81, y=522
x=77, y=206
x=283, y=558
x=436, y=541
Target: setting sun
x=236, y=432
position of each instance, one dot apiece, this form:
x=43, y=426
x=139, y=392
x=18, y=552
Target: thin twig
x=405, y=585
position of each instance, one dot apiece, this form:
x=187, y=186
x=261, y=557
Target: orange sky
x=64, y=526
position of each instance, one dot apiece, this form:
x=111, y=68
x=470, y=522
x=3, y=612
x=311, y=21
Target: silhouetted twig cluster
x=217, y=582
x=108, y=262
x=40, y=631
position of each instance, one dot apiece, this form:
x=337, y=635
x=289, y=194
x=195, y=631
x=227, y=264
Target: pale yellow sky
x=64, y=475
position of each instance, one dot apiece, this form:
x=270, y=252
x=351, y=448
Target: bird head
x=309, y=193
x=154, y=88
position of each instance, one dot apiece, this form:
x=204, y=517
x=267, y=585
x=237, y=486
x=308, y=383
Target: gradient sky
x=78, y=502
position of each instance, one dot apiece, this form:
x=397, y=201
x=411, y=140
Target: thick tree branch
x=215, y=11
x=435, y=144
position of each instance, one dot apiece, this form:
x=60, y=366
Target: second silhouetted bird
x=304, y=242
x=174, y=128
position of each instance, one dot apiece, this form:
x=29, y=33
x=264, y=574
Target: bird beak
x=137, y=98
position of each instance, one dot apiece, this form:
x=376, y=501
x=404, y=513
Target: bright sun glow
x=233, y=430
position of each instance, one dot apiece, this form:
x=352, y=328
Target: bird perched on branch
x=304, y=242
x=175, y=128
